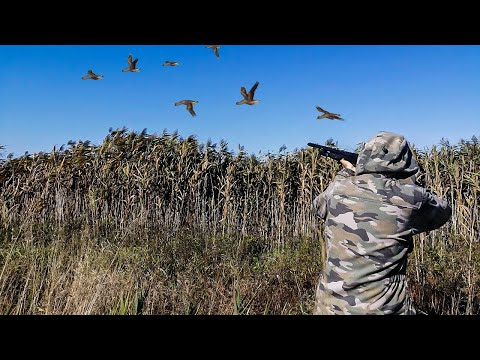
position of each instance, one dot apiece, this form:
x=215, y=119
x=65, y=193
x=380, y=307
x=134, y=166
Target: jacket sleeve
x=433, y=213
x=320, y=202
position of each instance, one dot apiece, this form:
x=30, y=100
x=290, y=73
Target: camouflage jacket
x=370, y=216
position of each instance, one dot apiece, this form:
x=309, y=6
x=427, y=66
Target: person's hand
x=347, y=164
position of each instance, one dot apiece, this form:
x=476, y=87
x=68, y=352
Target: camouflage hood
x=389, y=154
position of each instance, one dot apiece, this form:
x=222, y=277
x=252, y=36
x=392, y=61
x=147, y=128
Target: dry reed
x=160, y=224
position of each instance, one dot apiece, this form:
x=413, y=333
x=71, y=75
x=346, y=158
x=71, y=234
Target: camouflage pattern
x=370, y=216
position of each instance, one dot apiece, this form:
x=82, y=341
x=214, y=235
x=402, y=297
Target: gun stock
x=335, y=153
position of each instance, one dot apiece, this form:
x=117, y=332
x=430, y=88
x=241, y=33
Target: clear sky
x=423, y=92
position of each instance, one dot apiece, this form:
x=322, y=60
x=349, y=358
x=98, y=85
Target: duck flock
x=248, y=98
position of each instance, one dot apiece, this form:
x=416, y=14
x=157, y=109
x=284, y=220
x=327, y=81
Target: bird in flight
x=132, y=65
x=92, y=75
x=189, y=104
x=171, y=63
x=248, y=98
x=215, y=49
x=328, y=115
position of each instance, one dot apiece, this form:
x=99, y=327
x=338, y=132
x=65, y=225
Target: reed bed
x=160, y=224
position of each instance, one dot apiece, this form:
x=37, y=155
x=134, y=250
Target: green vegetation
x=147, y=224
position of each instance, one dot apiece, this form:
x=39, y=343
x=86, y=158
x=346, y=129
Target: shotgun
x=336, y=154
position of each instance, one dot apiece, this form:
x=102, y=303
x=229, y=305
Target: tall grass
x=161, y=224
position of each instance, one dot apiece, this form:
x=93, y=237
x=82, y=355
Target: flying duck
x=92, y=75
x=328, y=115
x=189, y=104
x=248, y=98
x=171, y=63
x=215, y=49
x=132, y=65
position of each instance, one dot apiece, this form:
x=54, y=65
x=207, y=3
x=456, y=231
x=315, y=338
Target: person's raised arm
x=433, y=213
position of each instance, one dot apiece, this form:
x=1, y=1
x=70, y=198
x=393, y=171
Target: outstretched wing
x=190, y=109
x=134, y=62
x=182, y=102
x=243, y=91
x=251, y=93
x=215, y=51
x=130, y=60
x=90, y=72
x=321, y=110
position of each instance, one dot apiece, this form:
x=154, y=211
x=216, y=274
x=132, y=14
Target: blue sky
x=423, y=92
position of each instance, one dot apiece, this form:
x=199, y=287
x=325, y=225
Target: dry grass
x=183, y=275
x=147, y=224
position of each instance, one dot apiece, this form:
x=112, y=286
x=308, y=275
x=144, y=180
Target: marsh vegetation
x=160, y=224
